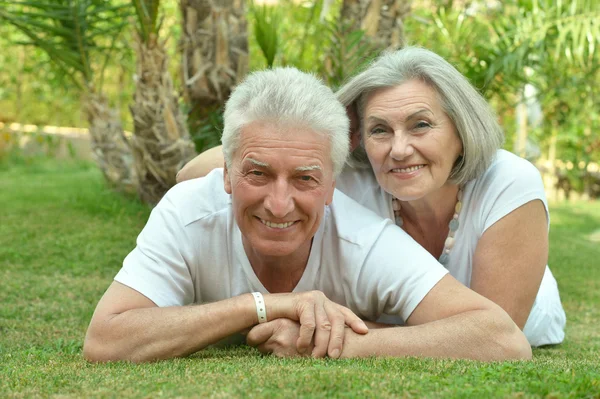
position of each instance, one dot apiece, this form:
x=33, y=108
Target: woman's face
x=410, y=141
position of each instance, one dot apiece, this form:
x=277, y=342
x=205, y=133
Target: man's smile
x=273, y=225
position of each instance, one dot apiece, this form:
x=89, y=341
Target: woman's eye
x=377, y=130
x=422, y=125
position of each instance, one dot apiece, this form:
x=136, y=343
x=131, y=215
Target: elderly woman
x=427, y=155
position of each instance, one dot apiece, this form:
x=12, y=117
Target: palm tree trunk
x=110, y=147
x=381, y=20
x=215, y=53
x=161, y=143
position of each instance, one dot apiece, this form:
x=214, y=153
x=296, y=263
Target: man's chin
x=276, y=250
x=269, y=247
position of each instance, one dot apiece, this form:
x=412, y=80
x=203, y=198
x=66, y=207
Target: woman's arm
x=202, y=164
x=510, y=259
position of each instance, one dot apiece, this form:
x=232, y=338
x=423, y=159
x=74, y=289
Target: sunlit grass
x=63, y=236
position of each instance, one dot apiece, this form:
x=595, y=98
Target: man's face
x=280, y=182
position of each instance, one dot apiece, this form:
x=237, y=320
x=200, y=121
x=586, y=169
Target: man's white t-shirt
x=507, y=184
x=191, y=252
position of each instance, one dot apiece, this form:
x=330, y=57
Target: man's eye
x=257, y=173
x=306, y=178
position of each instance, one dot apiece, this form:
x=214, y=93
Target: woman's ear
x=354, y=126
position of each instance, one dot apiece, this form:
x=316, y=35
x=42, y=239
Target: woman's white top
x=507, y=184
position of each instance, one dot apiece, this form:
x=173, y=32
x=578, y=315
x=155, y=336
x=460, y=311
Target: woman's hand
x=322, y=322
x=277, y=337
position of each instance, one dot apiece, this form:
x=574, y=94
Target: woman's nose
x=402, y=147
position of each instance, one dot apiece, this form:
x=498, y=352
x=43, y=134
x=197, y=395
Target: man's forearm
x=479, y=334
x=159, y=333
x=146, y=332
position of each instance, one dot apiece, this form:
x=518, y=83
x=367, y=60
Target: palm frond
x=266, y=21
x=147, y=17
x=570, y=31
x=348, y=51
x=71, y=32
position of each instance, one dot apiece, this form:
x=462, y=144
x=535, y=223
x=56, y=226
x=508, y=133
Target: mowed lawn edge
x=64, y=234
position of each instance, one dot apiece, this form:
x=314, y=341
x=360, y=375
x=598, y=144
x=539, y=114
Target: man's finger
x=264, y=349
x=353, y=321
x=260, y=334
x=322, y=331
x=336, y=336
x=307, y=328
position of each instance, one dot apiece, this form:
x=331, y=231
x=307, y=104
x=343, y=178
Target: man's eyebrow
x=308, y=168
x=257, y=163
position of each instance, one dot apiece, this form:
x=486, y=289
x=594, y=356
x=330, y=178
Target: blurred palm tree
x=161, y=143
x=214, y=58
x=79, y=36
x=381, y=20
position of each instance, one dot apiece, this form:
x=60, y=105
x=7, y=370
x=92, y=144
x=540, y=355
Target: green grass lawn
x=63, y=237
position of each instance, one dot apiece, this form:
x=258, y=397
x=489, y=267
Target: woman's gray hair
x=475, y=121
x=286, y=96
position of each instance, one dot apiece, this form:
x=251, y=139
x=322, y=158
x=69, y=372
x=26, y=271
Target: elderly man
x=267, y=245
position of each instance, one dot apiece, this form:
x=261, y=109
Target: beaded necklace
x=452, y=226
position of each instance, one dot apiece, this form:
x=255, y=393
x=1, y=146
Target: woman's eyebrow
x=376, y=119
x=419, y=112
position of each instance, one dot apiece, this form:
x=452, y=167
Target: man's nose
x=402, y=146
x=279, y=201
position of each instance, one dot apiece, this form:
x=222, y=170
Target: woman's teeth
x=407, y=170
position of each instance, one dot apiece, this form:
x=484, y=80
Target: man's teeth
x=407, y=170
x=277, y=225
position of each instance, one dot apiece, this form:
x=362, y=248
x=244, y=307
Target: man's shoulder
x=199, y=198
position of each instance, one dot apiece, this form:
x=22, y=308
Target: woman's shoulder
x=508, y=183
x=355, y=175
x=509, y=169
x=354, y=181
x=507, y=159
x=361, y=185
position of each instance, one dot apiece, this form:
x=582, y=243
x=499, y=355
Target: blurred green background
x=536, y=61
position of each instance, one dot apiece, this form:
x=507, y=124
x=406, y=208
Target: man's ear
x=330, y=194
x=354, y=126
x=226, y=180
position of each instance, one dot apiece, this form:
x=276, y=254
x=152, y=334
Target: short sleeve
x=398, y=273
x=157, y=267
x=508, y=184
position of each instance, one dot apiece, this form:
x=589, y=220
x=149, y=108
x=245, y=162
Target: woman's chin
x=407, y=194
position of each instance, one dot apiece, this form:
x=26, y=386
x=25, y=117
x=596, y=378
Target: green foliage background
x=551, y=45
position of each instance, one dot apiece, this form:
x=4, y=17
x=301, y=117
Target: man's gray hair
x=475, y=122
x=286, y=97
